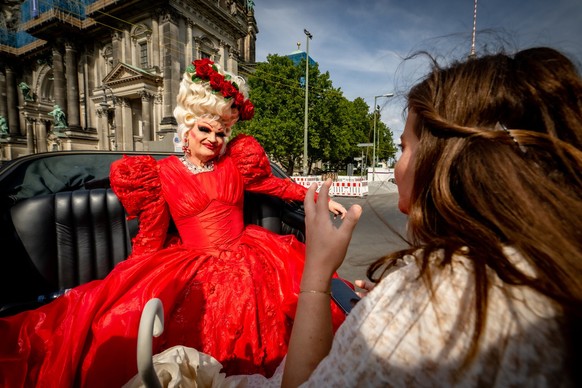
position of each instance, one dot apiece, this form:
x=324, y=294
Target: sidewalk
x=381, y=187
x=374, y=235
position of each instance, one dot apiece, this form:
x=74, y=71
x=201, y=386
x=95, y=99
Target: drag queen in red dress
x=228, y=290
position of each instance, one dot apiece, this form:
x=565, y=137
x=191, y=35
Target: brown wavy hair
x=499, y=163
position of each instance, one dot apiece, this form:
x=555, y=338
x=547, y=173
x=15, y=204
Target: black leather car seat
x=73, y=237
x=65, y=239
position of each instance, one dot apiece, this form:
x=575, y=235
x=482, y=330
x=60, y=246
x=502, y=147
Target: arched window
x=206, y=49
x=107, y=55
x=140, y=35
x=47, y=85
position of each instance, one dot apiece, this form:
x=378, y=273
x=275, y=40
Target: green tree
x=277, y=95
x=335, y=124
x=358, y=128
x=386, y=148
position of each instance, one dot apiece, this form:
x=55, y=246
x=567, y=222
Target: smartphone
x=343, y=295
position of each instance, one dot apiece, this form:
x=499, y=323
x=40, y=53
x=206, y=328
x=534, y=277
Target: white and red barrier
x=306, y=181
x=344, y=186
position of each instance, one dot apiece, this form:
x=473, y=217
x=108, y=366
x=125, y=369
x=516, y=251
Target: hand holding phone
x=343, y=295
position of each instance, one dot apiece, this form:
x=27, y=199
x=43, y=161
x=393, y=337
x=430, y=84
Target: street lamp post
x=374, y=143
x=308, y=37
x=362, y=164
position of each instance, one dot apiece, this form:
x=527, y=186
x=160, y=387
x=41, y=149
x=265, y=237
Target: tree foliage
x=335, y=124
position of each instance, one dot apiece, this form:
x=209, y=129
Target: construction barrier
x=380, y=175
x=344, y=186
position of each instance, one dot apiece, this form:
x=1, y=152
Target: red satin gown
x=227, y=290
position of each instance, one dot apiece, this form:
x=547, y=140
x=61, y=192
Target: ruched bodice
x=216, y=227
x=208, y=207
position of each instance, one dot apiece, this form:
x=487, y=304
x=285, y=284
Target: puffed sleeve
x=136, y=183
x=254, y=165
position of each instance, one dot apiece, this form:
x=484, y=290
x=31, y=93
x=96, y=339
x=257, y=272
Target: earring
x=185, y=147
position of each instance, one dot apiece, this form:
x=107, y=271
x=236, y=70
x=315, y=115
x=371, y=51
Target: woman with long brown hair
x=487, y=294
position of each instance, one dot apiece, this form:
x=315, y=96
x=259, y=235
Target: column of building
x=124, y=125
x=189, y=42
x=59, y=84
x=248, y=49
x=196, y=47
x=155, y=54
x=40, y=127
x=146, y=116
x=12, y=102
x=87, y=58
x=102, y=117
x=116, y=38
x=3, y=103
x=30, y=135
x=173, y=55
x=233, y=62
x=73, y=97
x=222, y=53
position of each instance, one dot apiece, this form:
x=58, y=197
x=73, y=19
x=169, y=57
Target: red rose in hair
x=204, y=61
x=246, y=111
x=228, y=90
x=239, y=99
x=205, y=71
x=204, y=68
x=216, y=81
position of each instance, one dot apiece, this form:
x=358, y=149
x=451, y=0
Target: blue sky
x=362, y=43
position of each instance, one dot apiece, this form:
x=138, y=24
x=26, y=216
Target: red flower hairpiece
x=204, y=70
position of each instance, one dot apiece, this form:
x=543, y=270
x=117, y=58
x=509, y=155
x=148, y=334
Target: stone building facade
x=112, y=67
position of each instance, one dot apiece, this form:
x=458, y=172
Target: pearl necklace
x=194, y=169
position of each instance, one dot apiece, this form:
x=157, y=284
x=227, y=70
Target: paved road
x=373, y=237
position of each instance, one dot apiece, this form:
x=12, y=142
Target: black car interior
x=63, y=226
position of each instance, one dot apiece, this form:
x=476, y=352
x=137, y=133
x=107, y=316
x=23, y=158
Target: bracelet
x=314, y=292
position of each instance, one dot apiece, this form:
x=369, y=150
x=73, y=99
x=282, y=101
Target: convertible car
x=63, y=226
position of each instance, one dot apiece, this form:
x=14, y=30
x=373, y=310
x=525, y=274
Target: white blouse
x=402, y=335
